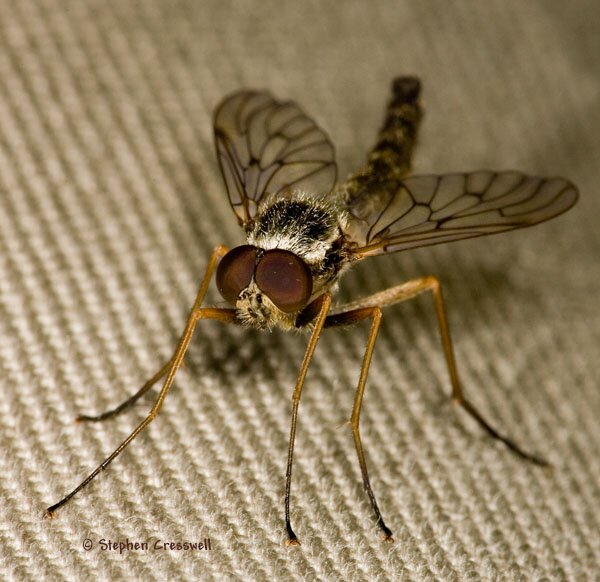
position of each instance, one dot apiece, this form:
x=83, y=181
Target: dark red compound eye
x=235, y=271
x=285, y=279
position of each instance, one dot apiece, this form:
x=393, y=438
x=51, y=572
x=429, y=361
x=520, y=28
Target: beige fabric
x=110, y=201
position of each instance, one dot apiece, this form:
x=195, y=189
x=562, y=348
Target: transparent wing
x=426, y=210
x=265, y=147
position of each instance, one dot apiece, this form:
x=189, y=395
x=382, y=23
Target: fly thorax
x=309, y=227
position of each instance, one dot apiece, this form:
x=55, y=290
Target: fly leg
x=348, y=318
x=197, y=313
x=130, y=401
x=324, y=304
x=370, y=308
x=411, y=289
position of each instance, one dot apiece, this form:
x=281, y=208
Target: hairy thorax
x=309, y=227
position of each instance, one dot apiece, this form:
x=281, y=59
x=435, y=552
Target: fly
x=303, y=232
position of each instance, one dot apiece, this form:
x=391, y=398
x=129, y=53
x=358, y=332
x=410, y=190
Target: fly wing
x=266, y=147
x=425, y=210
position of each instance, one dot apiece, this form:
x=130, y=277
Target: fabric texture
x=110, y=203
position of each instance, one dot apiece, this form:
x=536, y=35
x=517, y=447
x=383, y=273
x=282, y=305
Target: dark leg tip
x=49, y=513
x=532, y=458
x=508, y=443
x=292, y=539
x=406, y=89
x=514, y=448
x=88, y=418
x=386, y=533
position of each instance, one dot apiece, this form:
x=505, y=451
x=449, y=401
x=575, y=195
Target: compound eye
x=285, y=279
x=235, y=271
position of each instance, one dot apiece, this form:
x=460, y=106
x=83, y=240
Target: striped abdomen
x=391, y=155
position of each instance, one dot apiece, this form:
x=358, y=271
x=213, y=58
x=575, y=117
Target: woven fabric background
x=110, y=202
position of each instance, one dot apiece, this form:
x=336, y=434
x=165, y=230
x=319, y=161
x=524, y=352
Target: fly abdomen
x=391, y=155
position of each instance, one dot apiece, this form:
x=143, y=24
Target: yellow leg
x=370, y=308
x=348, y=318
x=312, y=344
x=196, y=314
x=130, y=401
